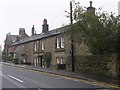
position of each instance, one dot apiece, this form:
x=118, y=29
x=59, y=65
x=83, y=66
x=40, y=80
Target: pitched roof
x=13, y=37
x=10, y=39
x=41, y=36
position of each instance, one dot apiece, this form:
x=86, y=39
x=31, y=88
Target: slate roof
x=13, y=37
x=41, y=36
x=10, y=39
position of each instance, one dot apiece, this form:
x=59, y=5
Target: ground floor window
x=60, y=63
x=36, y=62
x=43, y=63
x=59, y=60
x=39, y=61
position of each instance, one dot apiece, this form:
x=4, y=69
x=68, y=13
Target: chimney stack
x=91, y=9
x=21, y=31
x=33, y=30
x=44, y=26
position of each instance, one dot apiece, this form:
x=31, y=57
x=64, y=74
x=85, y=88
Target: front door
x=42, y=62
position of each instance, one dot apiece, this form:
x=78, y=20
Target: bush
x=61, y=66
x=7, y=58
x=27, y=63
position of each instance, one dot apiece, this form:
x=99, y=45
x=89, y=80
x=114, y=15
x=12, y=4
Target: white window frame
x=61, y=60
x=34, y=62
x=14, y=55
x=62, y=42
x=35, y=46
x=42, y=45
x=37, y=62
x=58, y=46
x=57, y=60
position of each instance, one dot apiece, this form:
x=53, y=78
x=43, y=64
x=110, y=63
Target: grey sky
x=15, y=14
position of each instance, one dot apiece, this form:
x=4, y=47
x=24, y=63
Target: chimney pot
x=90, y=3
x=45, y=21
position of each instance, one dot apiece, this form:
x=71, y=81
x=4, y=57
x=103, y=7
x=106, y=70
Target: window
x=59, y=60
x=35, y=46
x=60, y=42
x=42, y=44
x=14, y=55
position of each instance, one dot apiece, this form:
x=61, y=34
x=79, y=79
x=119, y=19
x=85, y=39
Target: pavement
x=64, y=73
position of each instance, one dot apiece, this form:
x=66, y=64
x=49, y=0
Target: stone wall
x=95, y=65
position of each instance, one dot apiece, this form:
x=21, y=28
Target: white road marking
x=15, y=78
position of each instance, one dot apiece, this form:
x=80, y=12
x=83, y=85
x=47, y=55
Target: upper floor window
x=60, y=42
x=42, y=45
x=35, y=46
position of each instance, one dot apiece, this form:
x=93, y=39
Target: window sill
x=35, y=52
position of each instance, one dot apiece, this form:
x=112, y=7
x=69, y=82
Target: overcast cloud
x=15, y=14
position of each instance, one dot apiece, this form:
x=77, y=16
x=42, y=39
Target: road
x=14, y=77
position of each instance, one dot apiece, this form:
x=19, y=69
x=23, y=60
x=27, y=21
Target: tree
x=99, y=31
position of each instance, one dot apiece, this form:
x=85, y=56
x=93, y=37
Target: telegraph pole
x=72, y=46
x=118, y=56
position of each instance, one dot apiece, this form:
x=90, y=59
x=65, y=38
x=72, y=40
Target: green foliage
x=99, y=31
x=47, y=57
x=7, y=58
